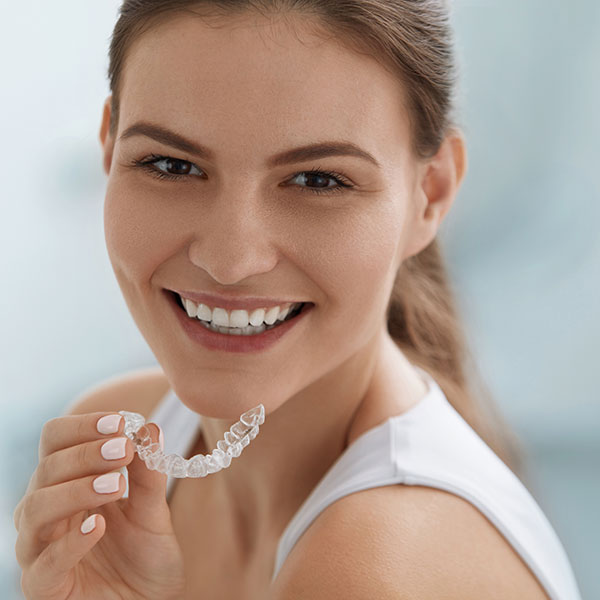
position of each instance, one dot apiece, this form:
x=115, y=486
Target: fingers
x=82, y=458
x=98, y=456
x=44, y=508
x=70, y=430
x=147, y=489
x=52, y=570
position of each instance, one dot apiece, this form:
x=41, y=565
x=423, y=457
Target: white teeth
x=271, y=315
x=190, y=307
x=204, y=312
x=220, y=317
x=239, y=319
x=257, y=317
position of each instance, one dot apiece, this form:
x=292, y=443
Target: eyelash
x=148, y=165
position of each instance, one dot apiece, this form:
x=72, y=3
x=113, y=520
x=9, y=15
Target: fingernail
x=161, y=437
x=114, y=448
x=109, y=424
x=89, y=524
x=107, y=484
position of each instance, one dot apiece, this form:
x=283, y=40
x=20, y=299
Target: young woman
x=299, y=155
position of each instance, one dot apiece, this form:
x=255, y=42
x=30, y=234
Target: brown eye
x=167, y=167
x=318, y=177
x=178, y=167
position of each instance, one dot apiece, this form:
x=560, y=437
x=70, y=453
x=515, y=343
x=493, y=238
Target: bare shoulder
x=137, y=391
x=404, y=542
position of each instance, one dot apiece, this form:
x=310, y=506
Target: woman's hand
x=132, y=553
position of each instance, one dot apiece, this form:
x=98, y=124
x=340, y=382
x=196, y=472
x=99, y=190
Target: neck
x=300, y=441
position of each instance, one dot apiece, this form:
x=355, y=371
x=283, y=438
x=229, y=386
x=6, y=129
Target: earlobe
x=105, y=137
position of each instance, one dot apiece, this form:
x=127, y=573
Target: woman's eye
x=318, y=178
x=167, y=167
x=175, y=166
x=316, y=181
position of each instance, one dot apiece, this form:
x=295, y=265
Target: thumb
x=147, y=488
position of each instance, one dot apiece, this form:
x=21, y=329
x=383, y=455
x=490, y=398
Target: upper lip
x=233, y=302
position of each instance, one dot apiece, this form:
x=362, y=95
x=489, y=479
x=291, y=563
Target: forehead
x=267, y=84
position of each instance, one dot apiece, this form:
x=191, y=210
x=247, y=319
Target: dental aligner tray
x=235, y=440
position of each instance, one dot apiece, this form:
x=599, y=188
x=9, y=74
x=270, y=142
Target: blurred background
x=521, y=240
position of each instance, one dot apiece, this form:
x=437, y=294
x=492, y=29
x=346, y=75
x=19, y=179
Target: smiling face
x=233, y=222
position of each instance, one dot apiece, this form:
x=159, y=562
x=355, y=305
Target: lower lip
x=214, y=340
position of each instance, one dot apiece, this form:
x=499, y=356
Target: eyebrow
x=303, y=153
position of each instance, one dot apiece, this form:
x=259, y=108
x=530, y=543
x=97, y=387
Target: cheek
x=354, y=256
x=136, y=232
x=352, y=265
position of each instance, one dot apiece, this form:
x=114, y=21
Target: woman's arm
x=403, y=542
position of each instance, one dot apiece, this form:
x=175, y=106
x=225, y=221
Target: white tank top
x=431, y=445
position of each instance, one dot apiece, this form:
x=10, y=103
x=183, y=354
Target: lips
x=216, y=341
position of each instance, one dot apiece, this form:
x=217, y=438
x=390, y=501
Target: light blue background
x=521, y=240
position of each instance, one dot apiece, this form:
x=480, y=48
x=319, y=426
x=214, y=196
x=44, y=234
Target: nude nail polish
x=109, y=424
x=113, y=449
x=107, y=483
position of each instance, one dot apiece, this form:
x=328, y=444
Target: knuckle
x=74, y=493
x=82, y=458
x=30, y=507
x=49, y=427
x=21, y=551
x=17, y=514
x=25, y=509
x=39, y=478
x=36, y=508
x=48, y=433
x=82, y=429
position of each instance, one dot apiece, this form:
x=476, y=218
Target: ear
x=106, y=139
x=437, y=185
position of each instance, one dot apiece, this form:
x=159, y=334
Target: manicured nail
x=107, y=483
x=89, y=524
x=109, y=424
x=161, y=437
x=114, y=448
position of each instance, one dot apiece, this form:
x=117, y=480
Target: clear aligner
x=235, y=440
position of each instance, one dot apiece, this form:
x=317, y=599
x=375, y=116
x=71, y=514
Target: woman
x=291, y=154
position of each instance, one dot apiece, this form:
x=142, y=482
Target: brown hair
x=414, y=39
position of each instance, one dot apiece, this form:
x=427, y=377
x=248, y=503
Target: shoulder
x=404, y=542
x=137, y=391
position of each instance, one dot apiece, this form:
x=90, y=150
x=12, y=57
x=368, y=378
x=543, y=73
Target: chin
x=218, y=400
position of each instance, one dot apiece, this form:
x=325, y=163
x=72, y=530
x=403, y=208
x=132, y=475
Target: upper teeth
x=238, y=318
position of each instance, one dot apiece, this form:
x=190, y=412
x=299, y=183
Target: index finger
x=69, y=430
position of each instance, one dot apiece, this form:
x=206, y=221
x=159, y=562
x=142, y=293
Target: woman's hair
x=414, y=40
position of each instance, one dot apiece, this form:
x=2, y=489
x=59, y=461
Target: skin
x=248, y=90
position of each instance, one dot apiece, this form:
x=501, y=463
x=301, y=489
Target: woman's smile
x=246, y=339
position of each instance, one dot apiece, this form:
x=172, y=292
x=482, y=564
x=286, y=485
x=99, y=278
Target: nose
x=232, y=241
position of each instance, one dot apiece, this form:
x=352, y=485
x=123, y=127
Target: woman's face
x=232, y=223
